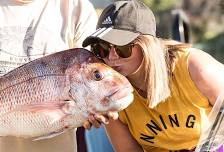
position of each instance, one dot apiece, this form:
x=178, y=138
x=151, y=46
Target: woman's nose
x=113, y=54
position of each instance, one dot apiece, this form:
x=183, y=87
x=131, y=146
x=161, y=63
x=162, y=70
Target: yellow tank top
x=174, y=124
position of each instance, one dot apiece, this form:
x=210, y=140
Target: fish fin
x=38, y=107
x=54, y=110
x=50, y=135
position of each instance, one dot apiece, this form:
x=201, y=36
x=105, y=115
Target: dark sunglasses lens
x=100, y=50
x=124, y=51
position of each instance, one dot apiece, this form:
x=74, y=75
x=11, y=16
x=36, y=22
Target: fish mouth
x=122, y=103
x=120, y=93
x=117, y=100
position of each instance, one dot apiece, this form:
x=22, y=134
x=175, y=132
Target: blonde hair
x=159, y=56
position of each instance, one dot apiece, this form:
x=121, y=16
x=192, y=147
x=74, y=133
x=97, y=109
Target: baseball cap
x=123, y=21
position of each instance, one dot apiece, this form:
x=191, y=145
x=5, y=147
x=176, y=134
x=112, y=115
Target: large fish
x=55, y=93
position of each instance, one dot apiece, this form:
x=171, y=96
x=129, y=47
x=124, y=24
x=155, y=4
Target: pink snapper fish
x=52, y=94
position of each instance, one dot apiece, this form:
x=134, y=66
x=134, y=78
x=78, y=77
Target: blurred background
x=200, y=22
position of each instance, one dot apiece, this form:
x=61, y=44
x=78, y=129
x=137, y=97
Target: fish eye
x=97, y=75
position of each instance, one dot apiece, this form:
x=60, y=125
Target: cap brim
x=113, y=36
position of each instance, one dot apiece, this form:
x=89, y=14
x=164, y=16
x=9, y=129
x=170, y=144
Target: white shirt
x=32, y=30
x=29, y=31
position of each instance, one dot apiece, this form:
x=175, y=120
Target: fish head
x=96, y=87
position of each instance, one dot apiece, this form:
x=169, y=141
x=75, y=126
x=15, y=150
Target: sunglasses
x=102, y=50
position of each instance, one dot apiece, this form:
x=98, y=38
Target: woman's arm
x=118, y=133
x=121, y=138
x=207, y=74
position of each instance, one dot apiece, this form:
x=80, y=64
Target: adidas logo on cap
x=107, y=21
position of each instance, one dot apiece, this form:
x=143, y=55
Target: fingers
x=94, y=121
x=113, y=115
x=97, y=119
x=102, y=118
x=87, y=125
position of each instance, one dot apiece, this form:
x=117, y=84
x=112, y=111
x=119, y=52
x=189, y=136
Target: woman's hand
x=118, y=133
x=97, y=119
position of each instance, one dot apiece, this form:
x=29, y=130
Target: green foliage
x=160, y=5
x=214, y=46
x=198, y=32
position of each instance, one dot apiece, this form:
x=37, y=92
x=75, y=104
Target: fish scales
x=23, y=93
x=52, y=94
x=50, y=65
x=41, y=72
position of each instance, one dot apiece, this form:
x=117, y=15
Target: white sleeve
x=85, y=21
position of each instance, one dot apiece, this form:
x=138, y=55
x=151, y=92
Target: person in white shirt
x=30, y=29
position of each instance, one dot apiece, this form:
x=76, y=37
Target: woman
x=175, y=85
